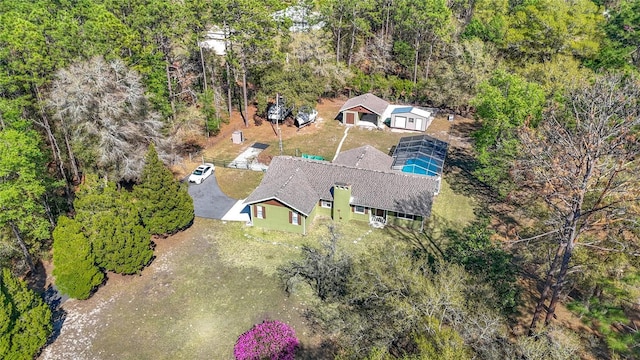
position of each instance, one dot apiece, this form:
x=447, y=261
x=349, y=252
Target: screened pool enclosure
x=423, y=155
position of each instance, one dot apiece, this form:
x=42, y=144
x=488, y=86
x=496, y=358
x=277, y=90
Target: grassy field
x=193, y=302
x=237, y=184
x=452, y=207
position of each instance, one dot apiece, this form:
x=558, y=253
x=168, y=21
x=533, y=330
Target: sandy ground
x=188, y=304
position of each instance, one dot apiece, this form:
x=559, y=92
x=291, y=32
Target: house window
x=411, y=120
x=259, y=212
x=359, y=209
x=325, y=204
x=294, y=218
x=405, y=216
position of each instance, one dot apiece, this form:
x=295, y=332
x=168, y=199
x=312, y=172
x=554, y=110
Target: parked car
x=306, y=115
x=201, y=173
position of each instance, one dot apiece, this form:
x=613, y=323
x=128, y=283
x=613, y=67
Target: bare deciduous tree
x=105, y=117
x=325, y=269
x=582, y=163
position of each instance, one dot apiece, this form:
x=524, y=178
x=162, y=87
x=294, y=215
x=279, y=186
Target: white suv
x=201, y=173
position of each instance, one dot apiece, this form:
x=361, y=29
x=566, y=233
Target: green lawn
x=454, y=208
x=237, y=184
x=207, y=286
x=193, y=302
x=324, y=142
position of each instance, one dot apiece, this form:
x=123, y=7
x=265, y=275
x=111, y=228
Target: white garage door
x=401, y=122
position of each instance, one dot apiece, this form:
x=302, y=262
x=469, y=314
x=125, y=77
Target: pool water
x=421, y=166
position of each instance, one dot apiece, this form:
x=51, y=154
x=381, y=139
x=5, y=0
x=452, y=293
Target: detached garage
x=363, y=110
x=411, y=118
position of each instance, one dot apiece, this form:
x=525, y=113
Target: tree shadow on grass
x=458, y=169
x=326, y=350
x=459, y=172
x=430, y=241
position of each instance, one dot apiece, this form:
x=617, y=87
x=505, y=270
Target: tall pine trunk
x=339, y=38
x=55, y=149
x=72, y=158
x=426, y=76
x=386, y=25
x=415, y=62
x=566, y=258
x=204, y=69
x=569, y=236
x=546, y=289
x=244, y=90
x=353, y=40
x=170, y=88
x=23, y=247
x=226, y=51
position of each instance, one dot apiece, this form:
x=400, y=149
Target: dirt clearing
x=189, y=304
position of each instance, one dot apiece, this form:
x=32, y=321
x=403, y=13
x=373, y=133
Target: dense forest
x=88, y=87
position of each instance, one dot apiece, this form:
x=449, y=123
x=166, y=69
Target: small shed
x=237, y=137
x=411, y=118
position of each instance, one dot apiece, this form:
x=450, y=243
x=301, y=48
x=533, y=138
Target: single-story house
x=363, y=110
x=411, y=118
x=358, y=186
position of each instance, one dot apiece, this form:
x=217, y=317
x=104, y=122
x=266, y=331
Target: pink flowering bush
x=270, y=340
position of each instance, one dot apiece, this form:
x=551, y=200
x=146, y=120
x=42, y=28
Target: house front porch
x=378, y=218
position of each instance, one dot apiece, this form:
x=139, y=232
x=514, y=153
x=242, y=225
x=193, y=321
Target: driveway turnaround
x=208, y=200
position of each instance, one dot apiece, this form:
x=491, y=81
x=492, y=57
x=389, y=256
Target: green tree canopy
x=504, y=103
x=114, y=227
x=472, y=248
x=423, y=23
x=21, y=191
x=25, y=320
x=623, y=29
x=541, y=29
x=74, y=264
x=165, y=204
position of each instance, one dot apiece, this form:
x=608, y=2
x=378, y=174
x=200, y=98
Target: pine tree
x=25, y=320
x=164, y=203
x=113, y=225
x=75, y=270
x=121, y=242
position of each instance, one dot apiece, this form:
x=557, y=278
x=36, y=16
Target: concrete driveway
x=208, y=200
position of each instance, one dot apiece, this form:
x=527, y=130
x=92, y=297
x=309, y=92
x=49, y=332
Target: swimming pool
x=422, y=166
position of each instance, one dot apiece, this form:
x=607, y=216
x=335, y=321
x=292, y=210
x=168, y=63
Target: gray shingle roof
x=291, y=187
x=365, y=157
x=369, y=101
x=301, y=183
